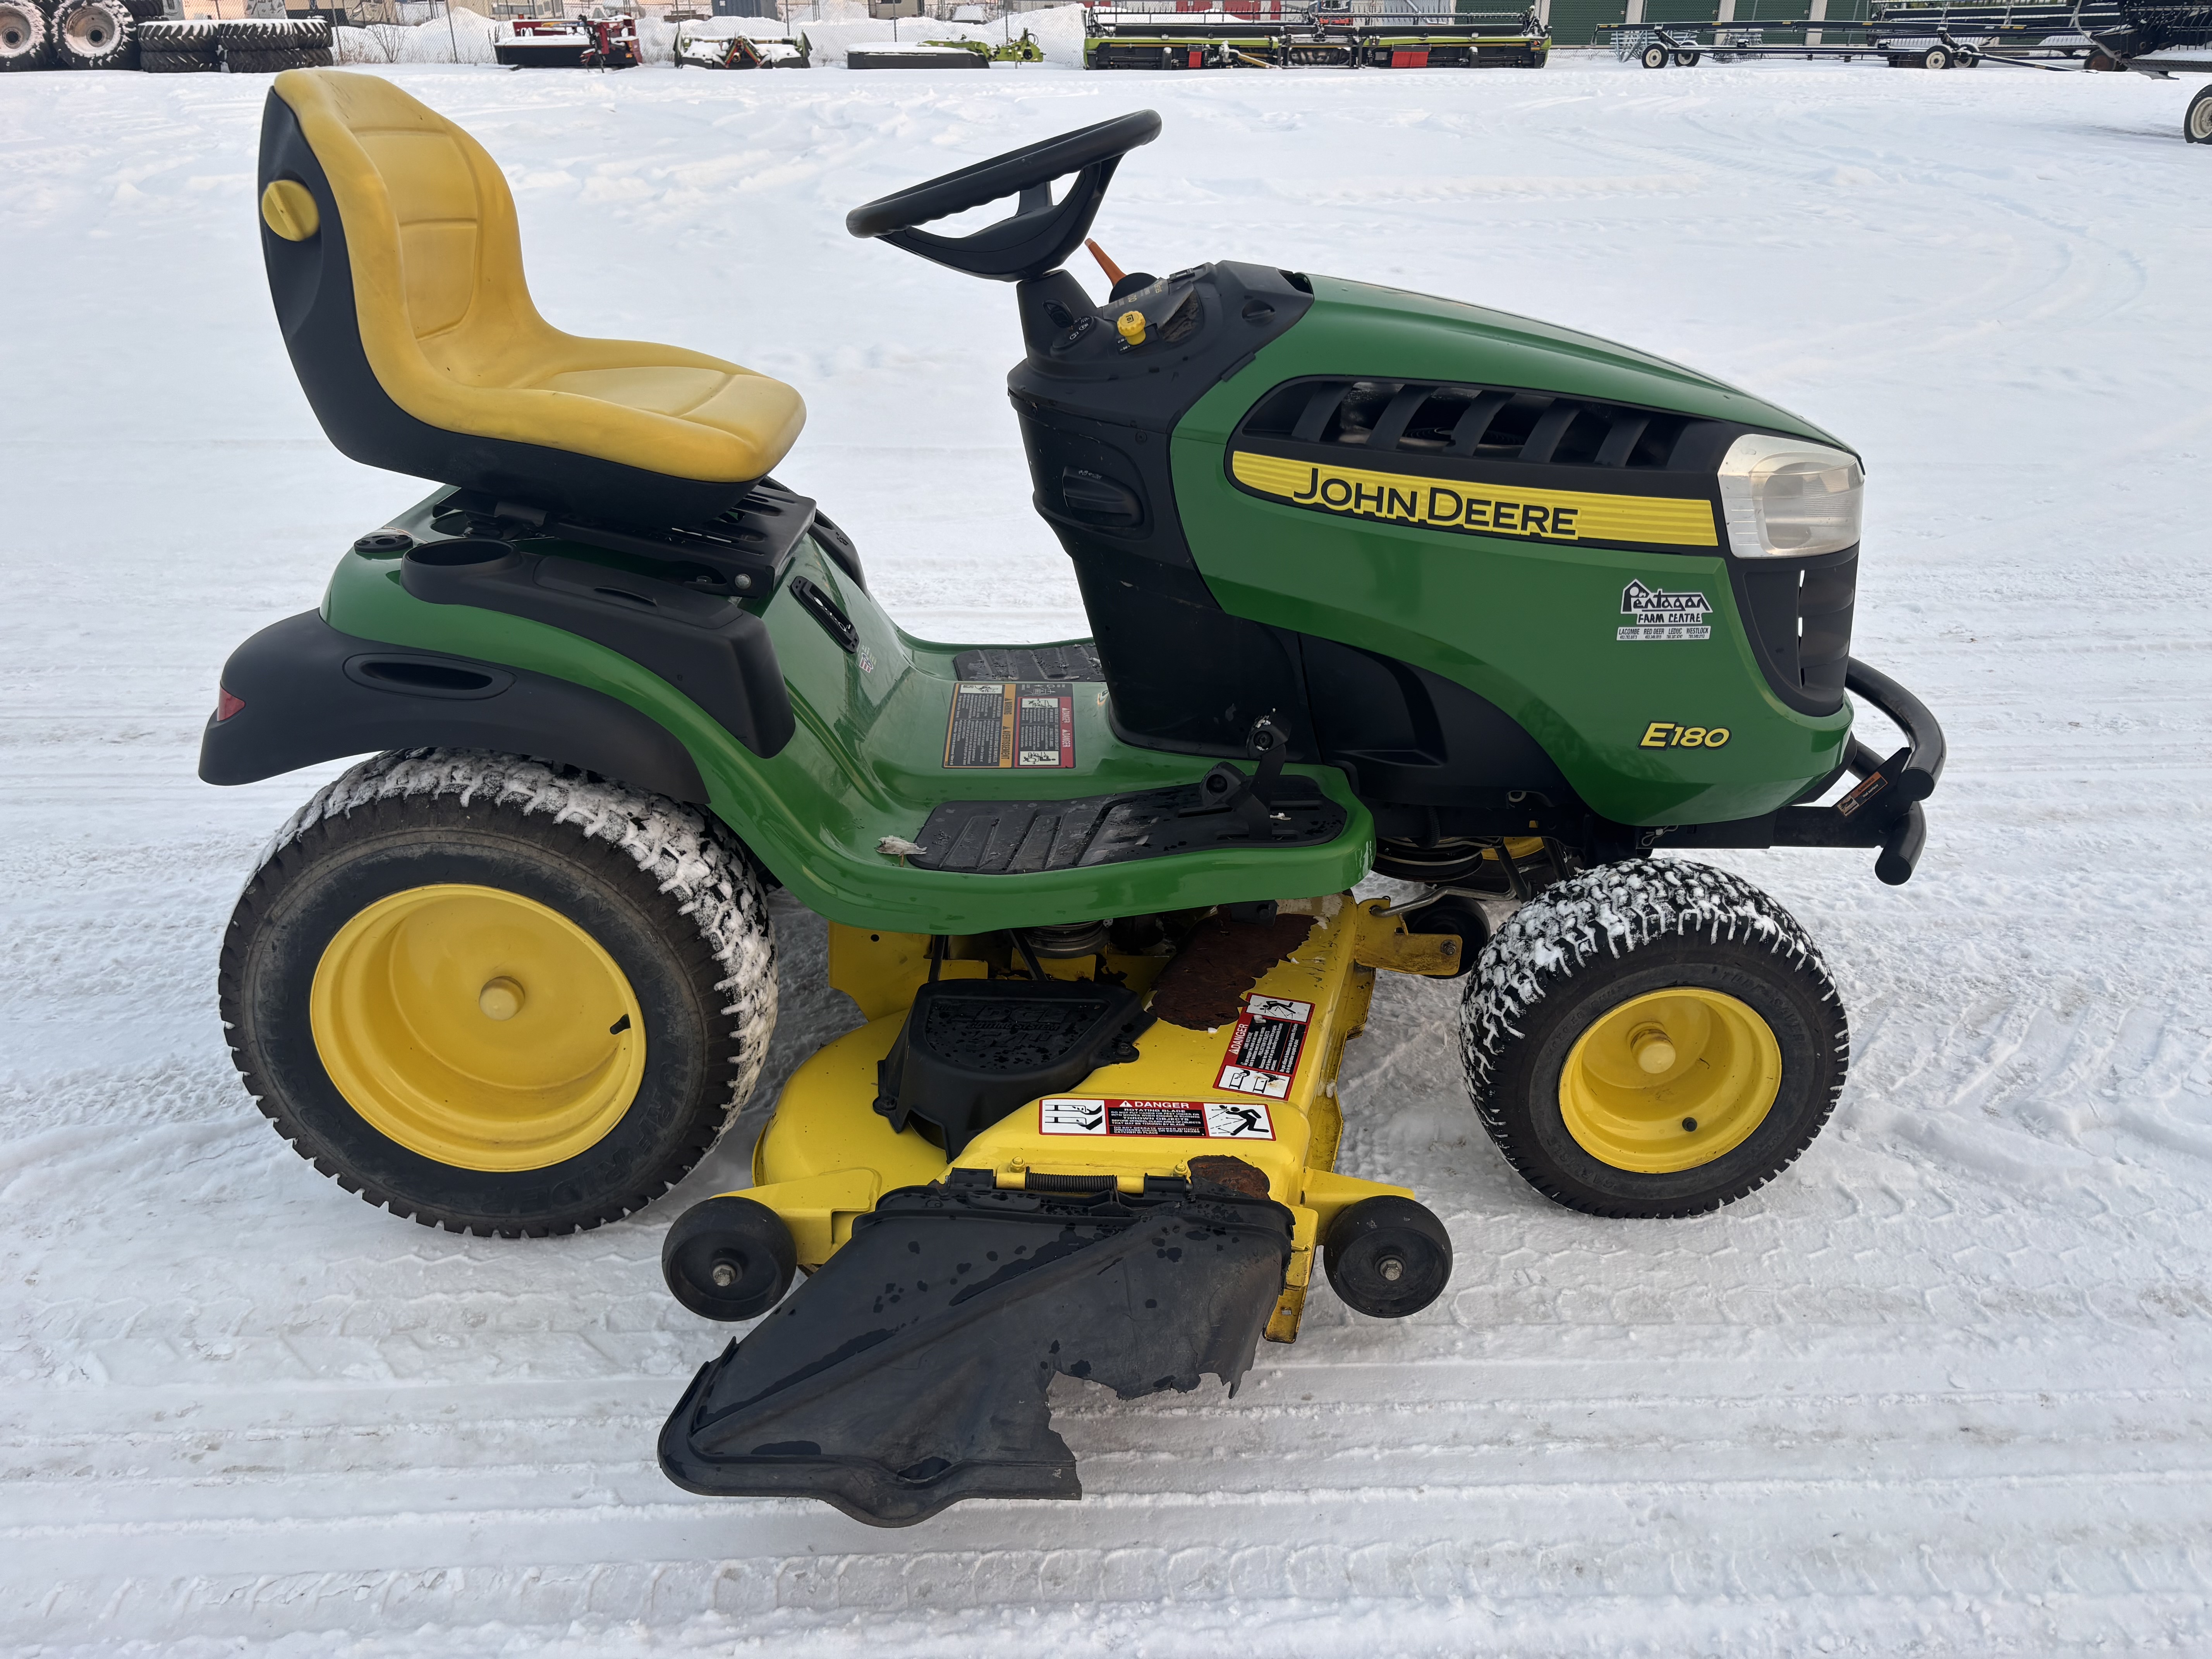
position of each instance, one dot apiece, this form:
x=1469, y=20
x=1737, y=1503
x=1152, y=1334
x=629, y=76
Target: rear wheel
x=2196, y=124
x=1653, y=1038
x=1655, y=58
x=1935, y=58
x=1686, y=60
x=497, y=997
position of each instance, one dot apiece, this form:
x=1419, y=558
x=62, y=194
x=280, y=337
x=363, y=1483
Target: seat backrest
x=396, y=265
x=429, y=223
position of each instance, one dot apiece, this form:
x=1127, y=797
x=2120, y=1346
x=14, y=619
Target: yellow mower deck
x=827, y=1157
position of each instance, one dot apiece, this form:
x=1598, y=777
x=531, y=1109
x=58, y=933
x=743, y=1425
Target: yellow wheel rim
x=1670, y=1081
x=477, y=1028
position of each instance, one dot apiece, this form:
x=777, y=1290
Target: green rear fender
x=866, y=762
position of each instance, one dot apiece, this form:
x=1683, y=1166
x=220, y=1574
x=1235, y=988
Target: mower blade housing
x=911, y=1370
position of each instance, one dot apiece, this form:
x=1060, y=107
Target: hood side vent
x=1491, y=424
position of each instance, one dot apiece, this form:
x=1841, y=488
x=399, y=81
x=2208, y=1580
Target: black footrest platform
x=1079, y=661
x=1021, y=837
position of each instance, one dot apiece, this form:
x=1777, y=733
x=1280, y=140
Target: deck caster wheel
x=1655, y=58
x=499, y=997
x=2196, y=124
x=1686, y=60
x=1386, y=1257
x=1653, y=1038
x=729, y=1258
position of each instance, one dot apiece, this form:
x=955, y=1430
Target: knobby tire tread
x=704, y=882
x=1609, y=913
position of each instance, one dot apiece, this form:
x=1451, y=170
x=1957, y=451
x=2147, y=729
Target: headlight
x=1783, y=497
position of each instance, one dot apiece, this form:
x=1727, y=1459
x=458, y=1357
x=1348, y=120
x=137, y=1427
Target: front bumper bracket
x=1882, y=810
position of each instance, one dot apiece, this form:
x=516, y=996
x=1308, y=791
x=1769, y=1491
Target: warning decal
x=1208, y=1120
x=1264, y=1048
x=1000, y=723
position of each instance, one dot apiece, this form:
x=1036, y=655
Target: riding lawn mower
x=1378, y=585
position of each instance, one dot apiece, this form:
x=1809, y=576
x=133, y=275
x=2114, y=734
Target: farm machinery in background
x=1914, y=35
x=608, y=43
x=1912, y=38
x=957, y=54
x=1021, y=48
x=754, y=43
x=2146, y=37
x=1307, y=33
x=2149, y=40
x=2106, y=36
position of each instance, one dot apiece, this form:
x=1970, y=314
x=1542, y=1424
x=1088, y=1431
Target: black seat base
x=741, y=552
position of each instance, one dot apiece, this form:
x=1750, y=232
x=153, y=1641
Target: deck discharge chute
x=911, y=1370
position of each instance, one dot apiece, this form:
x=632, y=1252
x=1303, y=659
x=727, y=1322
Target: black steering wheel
x=1039, y=233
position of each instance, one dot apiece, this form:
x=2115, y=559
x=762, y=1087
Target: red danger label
x=1263, y=1050
x=1193, y=1119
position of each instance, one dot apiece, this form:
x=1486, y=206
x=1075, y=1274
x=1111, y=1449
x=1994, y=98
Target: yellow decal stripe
x=1561, y=515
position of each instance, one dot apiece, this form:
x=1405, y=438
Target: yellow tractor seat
x=395, y=259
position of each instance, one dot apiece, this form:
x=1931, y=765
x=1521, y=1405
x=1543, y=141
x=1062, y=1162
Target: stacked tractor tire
x=133, y=34
x=253, y=45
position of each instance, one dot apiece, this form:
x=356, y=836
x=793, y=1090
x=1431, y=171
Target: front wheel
x=496, y=996
x=2196, y=124
x=1654, y=1038
x=1686, y=60
x=1655, y=58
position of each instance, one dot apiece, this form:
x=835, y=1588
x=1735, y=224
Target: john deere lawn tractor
x=1379, y=585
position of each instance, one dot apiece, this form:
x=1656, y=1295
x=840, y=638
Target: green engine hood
x=1531, y=623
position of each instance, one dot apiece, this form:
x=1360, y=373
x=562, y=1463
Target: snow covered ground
x=1943, y=1389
